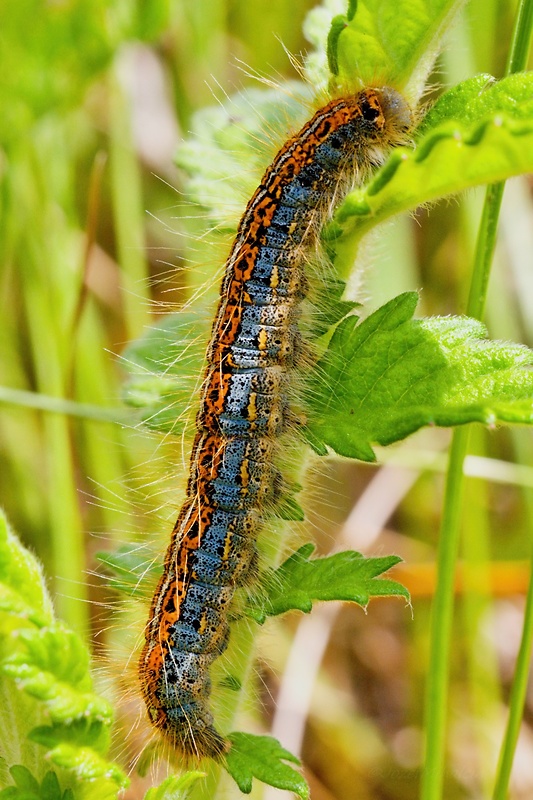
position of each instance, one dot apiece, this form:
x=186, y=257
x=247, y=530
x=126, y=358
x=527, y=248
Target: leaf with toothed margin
x=330, y=308
x=44, y=670
x=134, y=569
x=176, y=787
x=347, y=576
x=51, y=665
x=78, y=747
x=22, y=585
x=163, y=367
x=263, y=757
x=28, y=788
x=396, y=42
x=479, y=132
x=390, y=375
x=289, y=510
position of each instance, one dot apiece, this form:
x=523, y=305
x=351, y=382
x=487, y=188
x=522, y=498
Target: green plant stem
x=442, y=613
x=60, y=405
x=518, y=58
x=520, y=681
x=521, y=41
x=517, y=700
x=442, y=621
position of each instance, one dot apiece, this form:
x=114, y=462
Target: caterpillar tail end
x=196, y=745
x=193, y=737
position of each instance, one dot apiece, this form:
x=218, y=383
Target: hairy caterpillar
x=245, y=410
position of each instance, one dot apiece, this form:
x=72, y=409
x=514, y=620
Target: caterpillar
x=245, y=407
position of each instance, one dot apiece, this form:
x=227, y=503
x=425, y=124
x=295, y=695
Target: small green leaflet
x=479, y=132
x=52, y=665
x=43, y=660
x=176, y=787
x=135, y=569
x=28, y=788
x=477, y=98
x=78, y=747
x=395, y=41
x=22, y=587
x=163, y=367
x=385, y=378
x=342, y=576
x=263, y=757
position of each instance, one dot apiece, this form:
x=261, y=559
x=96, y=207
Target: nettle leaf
x=175, y=787
x=163, y=368
x=51, y=665
x=390, y=375
x=329, y=307
x=27, y=787
x=241, y=130
x=299, y=581
x=79, y=747
x=491, y=141
x=263, y=757
x=134, y=569
x=392, y=40
x=479, y=97
x=396, y=41
x=24, y=781
x=22, y=587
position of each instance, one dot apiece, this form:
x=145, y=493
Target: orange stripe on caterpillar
x=245, y=408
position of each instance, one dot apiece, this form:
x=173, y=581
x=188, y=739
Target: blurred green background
x=95, y=240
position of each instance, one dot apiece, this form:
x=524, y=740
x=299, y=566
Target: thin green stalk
x=521, y=676
x=483, y=674
x=59, y=405
x=521, y=42
x=442, y=621
x=518, y=58
x=442, y=612
x=516, y=702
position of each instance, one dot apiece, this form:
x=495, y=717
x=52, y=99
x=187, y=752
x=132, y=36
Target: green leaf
x=51, y=665
x=214, y=154
x=343, y=576
x=491, y=141
x=263, y=757
x=338, y=24
x=27, y=787
x=24, y=779
x=390, y=375
x=393, y=40
x=134, y=568
x=22, y=586
x=163, y=365
x=174, y=787
x=396, y=41
x=289, y=509
x=50, y=789
x=78, y=747
x=479, y=98
x=329, y=307
x=83, y=732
